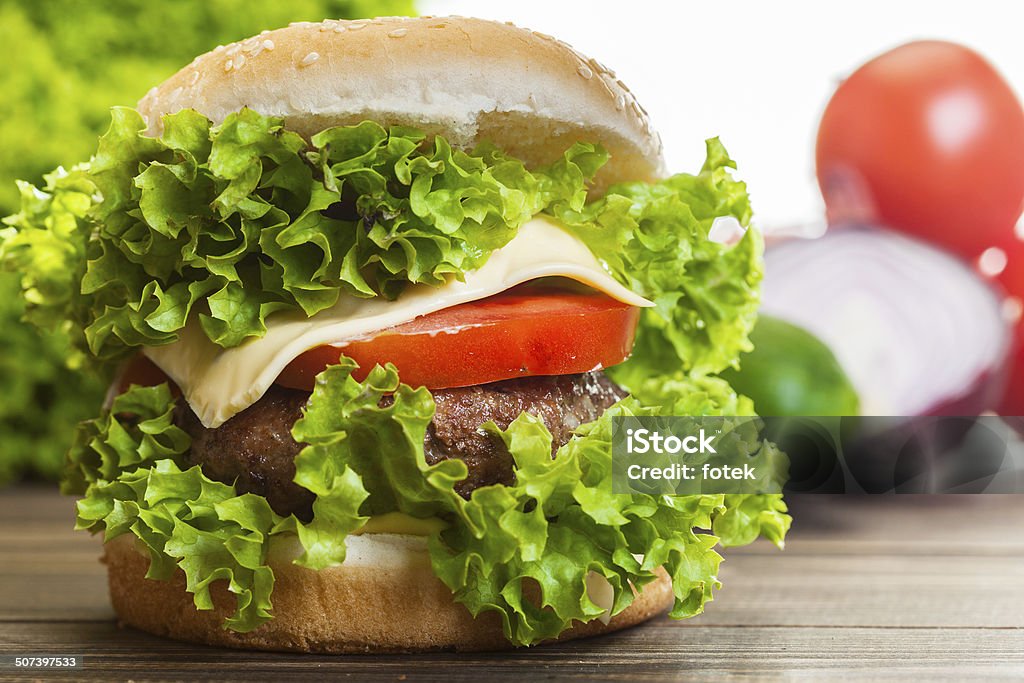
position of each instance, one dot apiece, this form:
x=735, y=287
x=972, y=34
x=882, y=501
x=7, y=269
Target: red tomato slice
x=518, y=333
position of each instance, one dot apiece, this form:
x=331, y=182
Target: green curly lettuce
x=185, y=520
x=524, y=551
x=231, y=223
x=655, y=239
x=136, y=432
x=128, y=464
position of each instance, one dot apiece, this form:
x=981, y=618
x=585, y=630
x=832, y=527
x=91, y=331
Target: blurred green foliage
x=66, y=63
x=41, y=400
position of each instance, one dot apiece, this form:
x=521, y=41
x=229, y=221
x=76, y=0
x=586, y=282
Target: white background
x=756, y=73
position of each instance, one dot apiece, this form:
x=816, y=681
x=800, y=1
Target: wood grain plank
x=659, y=651
x=36, y=503
x=870, y=590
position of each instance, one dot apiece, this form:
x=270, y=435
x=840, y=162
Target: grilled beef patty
x=255, y=449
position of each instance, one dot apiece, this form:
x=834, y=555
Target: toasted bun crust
x=384, y=598
x=468, y=79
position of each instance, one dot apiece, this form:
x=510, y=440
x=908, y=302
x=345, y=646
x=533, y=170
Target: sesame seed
x=356, y=27
x=608, y=87
x=228, y=65
x=620, y=102
x=268, y=44
x=239, y=61
x=340, y=28
x=309, y=59
x=398, y=32
x=175, y=93
x=233, y=50
x=195, y=77
x=584, y=70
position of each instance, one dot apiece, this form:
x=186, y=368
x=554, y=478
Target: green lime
x=791, y=372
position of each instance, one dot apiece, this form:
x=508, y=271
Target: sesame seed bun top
x=468, y=79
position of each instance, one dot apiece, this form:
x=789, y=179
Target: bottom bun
x=384, y=598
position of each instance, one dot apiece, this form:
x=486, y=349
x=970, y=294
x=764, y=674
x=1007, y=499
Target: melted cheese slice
x=218, y=383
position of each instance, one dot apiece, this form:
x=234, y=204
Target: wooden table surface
x=882, y=587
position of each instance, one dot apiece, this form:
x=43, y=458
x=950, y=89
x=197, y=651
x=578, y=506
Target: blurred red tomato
x=929, y=139
x=1013, y=399
x=1012, y=280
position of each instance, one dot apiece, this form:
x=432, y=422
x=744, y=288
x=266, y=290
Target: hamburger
x=371, y=294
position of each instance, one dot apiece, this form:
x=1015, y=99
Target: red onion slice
x=916, y=330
